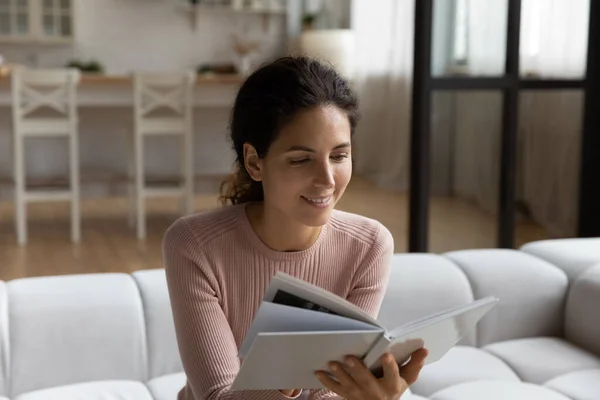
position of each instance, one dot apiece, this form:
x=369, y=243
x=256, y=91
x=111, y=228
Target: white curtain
x=383, y=75
x=553, y=45
x=466, y=127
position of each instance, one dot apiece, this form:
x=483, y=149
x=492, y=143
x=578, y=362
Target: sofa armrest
x=582, y=325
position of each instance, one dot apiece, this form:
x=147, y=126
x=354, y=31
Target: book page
x=272, y=317
x=438, y=335
x=307, y=295
x=445, y=314
x=289, y=299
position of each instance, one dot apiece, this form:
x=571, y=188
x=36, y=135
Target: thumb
x=410, y=372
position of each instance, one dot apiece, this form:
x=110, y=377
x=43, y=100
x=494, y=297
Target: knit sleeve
x=206, y=343
x=370, y=282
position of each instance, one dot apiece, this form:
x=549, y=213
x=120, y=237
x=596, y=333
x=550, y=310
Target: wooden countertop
x=212, y=90
x=101, y=79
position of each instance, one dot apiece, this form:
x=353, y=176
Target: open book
x=299, y=328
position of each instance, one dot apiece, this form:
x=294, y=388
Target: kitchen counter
x=212, y=90
x=89, y=78
x=105, y=105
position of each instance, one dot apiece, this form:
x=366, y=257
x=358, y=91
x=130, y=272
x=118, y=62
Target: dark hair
x=268, y=100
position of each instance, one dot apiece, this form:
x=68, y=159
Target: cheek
x=282, y=183
x=343, y=175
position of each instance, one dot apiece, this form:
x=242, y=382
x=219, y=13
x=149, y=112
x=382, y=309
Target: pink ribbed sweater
x=218, y=270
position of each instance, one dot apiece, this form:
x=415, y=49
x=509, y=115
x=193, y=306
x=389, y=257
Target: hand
x=290, y=392
x=358, y=383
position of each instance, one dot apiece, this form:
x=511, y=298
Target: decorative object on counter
x=223, y=69
x=244, y=48
x=308, y=21
x=335, y=46
x=92, y=66
x=4, y=69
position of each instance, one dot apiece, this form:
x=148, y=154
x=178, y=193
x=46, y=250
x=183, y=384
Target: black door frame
x=510, y=84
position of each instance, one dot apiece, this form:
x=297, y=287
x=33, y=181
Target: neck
x=278, y=232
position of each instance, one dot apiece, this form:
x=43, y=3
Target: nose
x=324, y=176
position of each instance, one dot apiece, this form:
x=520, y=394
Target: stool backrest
x=168, y=90
x=35, y=89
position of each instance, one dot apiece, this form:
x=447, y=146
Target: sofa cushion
x=71, y=329
x=461, y=364
x=435, y=281
x=163, y=353
x=572, y=255
x=502, y=273
x=579, y=385
x=4, y=338
x=582, y=315
x=101, y=390
x=497, y=390
x=537, y=360
x=166, y=387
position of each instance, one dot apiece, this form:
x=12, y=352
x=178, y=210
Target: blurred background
x=469, y=148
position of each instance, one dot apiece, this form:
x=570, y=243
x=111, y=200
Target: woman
x=291, y=129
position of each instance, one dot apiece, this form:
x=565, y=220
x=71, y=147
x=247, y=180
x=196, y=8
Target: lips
x=321, y=201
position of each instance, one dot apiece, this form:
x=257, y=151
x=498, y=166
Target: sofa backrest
x=70, y=329
x=532, y=293
x=4, y=344
x=573, y=255
x=163, y=355
x=582, y=316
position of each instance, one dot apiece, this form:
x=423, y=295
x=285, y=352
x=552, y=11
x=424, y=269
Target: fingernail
x=350, y=362
x=333, y=367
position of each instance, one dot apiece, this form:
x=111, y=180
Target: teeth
x=318, y=200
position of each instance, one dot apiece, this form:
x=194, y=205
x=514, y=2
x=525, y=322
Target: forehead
x=320, y=126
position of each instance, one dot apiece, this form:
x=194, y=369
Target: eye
x=339, y=157
x=299, y=161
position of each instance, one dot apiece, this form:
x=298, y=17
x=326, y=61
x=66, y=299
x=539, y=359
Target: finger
x=410, y=372
x=362, y=375
x=391, y=374
x=338, y=371
x=328, y=382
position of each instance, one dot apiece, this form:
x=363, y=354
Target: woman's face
x=308, y=166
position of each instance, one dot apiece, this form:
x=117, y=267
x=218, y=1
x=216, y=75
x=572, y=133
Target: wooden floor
x=109, y=245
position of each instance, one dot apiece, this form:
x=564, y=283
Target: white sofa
x=110, y=336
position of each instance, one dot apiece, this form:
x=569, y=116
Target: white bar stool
x=171, y=93
x=32, y=90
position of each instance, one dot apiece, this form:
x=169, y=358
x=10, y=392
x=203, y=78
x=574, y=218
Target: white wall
x=153, y=35
x=125, y=35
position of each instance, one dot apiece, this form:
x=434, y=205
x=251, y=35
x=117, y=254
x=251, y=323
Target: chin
x=314, y=217
x=315, y=221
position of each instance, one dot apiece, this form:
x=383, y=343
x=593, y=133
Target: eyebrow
x=304, y=148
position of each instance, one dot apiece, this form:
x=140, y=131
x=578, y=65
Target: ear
x=252, y=162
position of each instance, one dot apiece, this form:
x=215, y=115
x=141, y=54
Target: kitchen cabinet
x=36, y=21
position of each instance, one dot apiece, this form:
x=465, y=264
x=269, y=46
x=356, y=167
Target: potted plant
x=308, y=21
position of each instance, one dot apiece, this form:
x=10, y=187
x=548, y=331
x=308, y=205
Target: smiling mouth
x=319, y=201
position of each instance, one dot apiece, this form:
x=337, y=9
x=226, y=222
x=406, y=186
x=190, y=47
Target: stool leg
x=75, y=188
x=139, y=186
x=188, y=174
x=19, y=176
x=131, y=192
